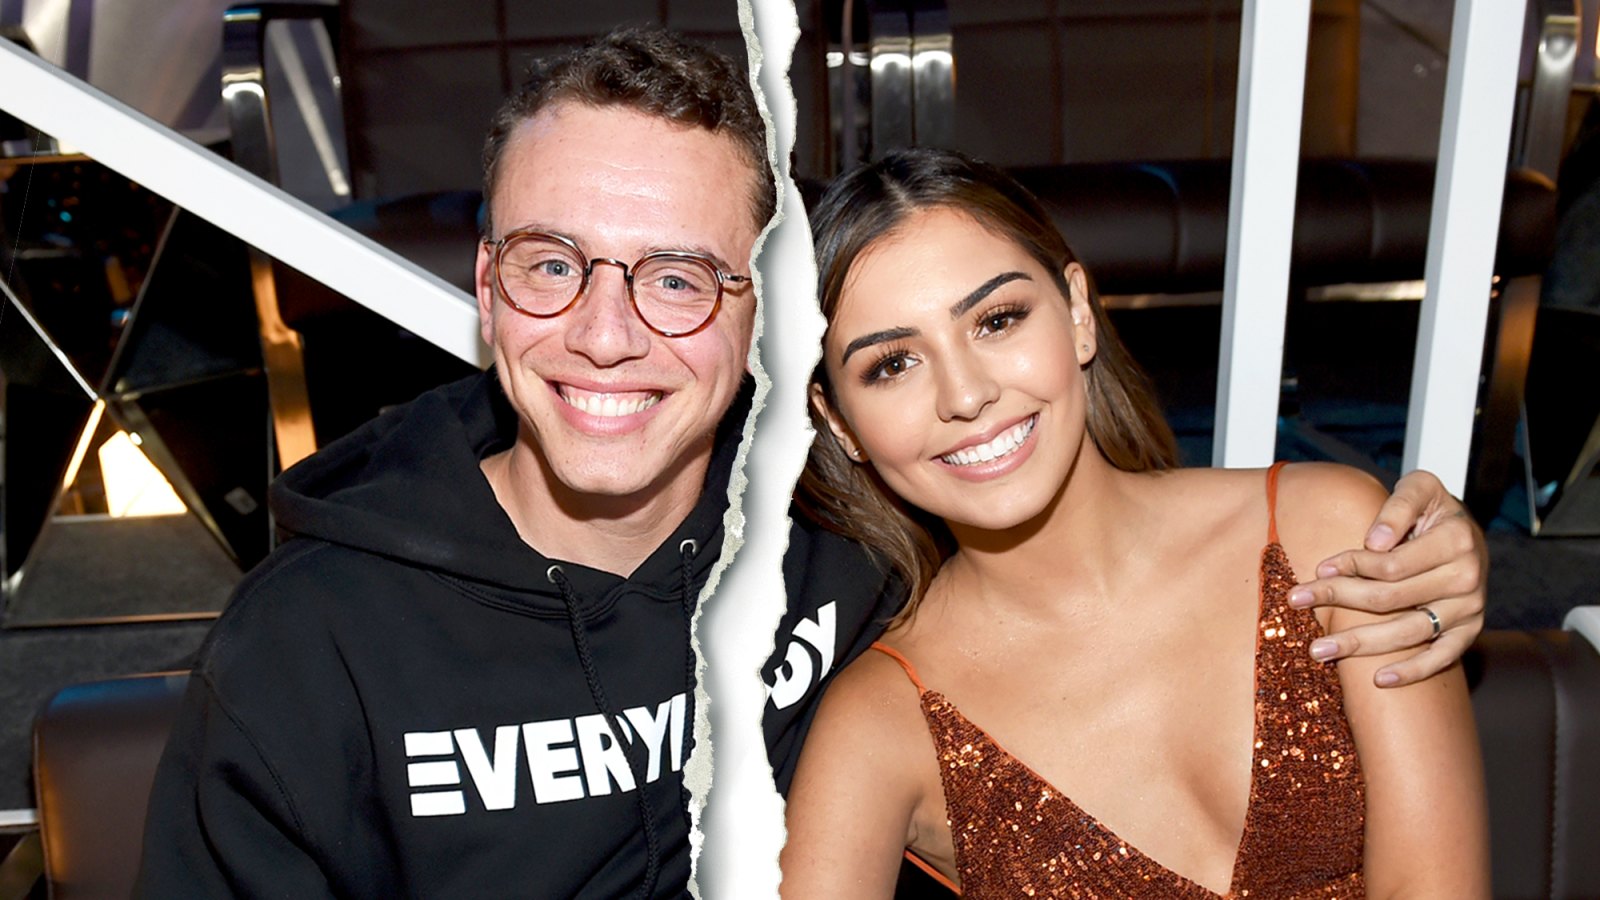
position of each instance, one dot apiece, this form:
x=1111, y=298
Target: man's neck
x=612, y=534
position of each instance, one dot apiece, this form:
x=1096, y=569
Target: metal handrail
x=1544, y=128
x=236, y=201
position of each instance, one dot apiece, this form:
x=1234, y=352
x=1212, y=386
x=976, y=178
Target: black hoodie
x=840, y=599
x=396, y=703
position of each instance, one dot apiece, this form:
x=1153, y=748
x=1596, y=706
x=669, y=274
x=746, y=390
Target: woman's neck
x=1083, y=545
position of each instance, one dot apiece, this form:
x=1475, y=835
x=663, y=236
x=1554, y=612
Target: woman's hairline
x=906, y=209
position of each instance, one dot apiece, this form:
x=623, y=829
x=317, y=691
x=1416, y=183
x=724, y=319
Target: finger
x=1412, y=628
x=1435, y=658
x=1403, y=630
x=1453, y=581
x=1454, y=538
x=1415, y=496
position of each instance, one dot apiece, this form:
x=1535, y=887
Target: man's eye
x=675, y=283
x=554, y=268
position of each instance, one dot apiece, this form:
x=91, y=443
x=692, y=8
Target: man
x=470, y=674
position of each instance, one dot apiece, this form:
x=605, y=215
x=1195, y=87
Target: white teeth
x=1003, y=445
x=609, y=406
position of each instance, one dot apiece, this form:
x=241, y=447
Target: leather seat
x=95, y=750
x=1162, y=227
x=1536, y=695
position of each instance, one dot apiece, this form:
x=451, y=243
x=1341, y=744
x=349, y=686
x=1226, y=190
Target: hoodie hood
x=407, y=486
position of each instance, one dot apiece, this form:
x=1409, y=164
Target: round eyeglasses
x=675, y=293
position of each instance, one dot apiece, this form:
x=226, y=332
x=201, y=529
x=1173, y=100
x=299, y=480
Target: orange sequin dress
x=1017, y=836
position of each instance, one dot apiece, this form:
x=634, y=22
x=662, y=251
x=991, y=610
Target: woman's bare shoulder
x=1325, y=508
x=866, y=782
x=868, y=734
x=872, y=701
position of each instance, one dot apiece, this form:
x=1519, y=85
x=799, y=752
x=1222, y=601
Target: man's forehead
x=572, y=153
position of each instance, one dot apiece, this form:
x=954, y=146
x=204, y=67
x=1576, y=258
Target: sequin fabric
x=1017, y=836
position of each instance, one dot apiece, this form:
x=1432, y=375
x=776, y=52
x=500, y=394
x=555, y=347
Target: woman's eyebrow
x=984, y=290
x=876, y=337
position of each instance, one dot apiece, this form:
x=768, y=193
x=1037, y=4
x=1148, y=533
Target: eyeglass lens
x=673, y=294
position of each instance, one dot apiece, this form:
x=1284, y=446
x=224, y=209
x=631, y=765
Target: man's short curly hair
x=652, y=71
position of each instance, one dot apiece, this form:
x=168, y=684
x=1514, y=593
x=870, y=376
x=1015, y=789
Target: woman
x=1036, y=723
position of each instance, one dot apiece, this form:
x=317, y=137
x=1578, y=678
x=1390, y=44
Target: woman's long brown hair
x=869, y=204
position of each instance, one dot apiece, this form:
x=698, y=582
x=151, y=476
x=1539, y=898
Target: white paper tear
x=743, y=830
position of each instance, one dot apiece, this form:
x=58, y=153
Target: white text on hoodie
x=567, y=759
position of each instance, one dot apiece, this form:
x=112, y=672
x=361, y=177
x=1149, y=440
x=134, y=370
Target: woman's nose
x=965, y=387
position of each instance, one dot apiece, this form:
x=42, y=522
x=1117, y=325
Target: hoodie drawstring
x=686, y=553
x=597, y=692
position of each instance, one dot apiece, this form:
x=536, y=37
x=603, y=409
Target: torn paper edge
x=743, y=831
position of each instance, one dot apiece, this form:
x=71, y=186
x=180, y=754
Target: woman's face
x=956, y=366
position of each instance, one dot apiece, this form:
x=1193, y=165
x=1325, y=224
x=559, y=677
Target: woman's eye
x=891, y=366
x=1001, y=320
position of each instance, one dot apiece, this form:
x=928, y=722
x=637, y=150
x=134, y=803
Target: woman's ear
x=1083, y=335
x=836, y=424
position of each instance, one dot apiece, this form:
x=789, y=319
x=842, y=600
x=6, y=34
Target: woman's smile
x=983, y=457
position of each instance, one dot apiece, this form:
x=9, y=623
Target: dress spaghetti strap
x=933, y=873
x=1272, y=501
x=911, y=671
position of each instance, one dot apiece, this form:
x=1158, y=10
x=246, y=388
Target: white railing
x=1485, y=41
x=238, y=202
x=1266, y=160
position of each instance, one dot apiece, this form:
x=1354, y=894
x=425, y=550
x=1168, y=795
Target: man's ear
x=836, y=424
x=1083, y=335
x=483, y=284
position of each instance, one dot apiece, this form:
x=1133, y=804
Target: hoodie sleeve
x=221, y=821
x=839, y=598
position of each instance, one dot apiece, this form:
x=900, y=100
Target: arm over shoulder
x=839, y=596
x=1427, y=819
x=863, y=775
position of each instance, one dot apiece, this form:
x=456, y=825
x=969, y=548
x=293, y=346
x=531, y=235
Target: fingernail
x=1327, y=570
x=1300, y=598
x=1381, y=535
x=1323, y=649
x=1387, y=679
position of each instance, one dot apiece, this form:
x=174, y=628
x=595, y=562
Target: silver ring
x=1433, y=618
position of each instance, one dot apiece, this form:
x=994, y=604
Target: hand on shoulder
x=1419, y=550
x=1426, y=823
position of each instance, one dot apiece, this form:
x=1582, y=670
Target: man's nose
x=602, y=326
x=965, y=387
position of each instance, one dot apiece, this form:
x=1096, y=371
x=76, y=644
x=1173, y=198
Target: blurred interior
x=156, y=372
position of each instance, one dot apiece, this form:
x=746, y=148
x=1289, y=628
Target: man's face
x=614, y=408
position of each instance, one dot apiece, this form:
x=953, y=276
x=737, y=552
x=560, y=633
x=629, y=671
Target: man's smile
x=607, y=404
